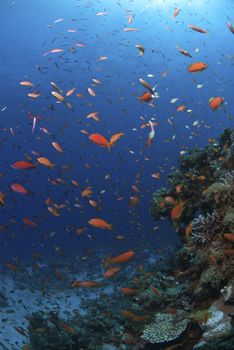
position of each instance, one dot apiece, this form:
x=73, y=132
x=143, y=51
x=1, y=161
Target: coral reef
x=184, y=301
x=206, y=226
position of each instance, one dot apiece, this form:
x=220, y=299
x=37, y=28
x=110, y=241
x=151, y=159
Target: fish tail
x=108, y=146
x=107, y=262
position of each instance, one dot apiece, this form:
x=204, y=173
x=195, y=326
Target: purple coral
x=205, y=228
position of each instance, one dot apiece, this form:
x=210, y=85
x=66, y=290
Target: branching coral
x=205, y=228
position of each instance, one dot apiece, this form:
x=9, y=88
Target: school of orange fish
x=68, y=99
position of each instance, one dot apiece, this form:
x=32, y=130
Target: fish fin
x=108, y=146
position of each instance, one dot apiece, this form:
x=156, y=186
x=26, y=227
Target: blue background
x=27, y=32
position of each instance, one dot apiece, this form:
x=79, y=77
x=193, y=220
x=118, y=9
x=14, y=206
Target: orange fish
x=183, y=52
x=21, y=164
x=85, y=284
x=114, y=138
x=230, y=27
x=188, y=230
x=53, y=211
x=26, y=83
x=91, y=92
x=57, y=50
x=213, y=260
x=156, y=176
x=181, y=108
x=19, y=188
x=57, y=147
x=229, y=237
x=197, y=29
x=135, y=189
x=216, y=102
x=119, y=259
x=45, y=161
x=129, y=314
x=177, y=210
x=68, y=328
x=133, y=201
x=70, y=92
x=48, y=201
x=128, y=291
x=34, y=94
x=85, y=132
x=75, y=183
x=94, y=204
x=56, y=87
x=87, y=192
x=93, y=115
x=130, y=29
x=99, y=140
x=58, y=96
x=100, y=223
x=29, y=222
x=2, y=197
x=145, y=97
x=156, y=291
x=96, y=81
x=79, y=231
x=197, y=67
x=111, y=272
x=130, y=18
x=176, y=12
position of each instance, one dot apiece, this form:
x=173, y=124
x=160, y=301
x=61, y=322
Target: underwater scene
x=117, y=175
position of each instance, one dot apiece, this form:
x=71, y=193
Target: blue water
x=27, y=32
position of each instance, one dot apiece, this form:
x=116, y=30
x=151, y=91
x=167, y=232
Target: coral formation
x=48, y=331
x=165, y=328
x=187, y=298
x=206, y=225
x=205, y=228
